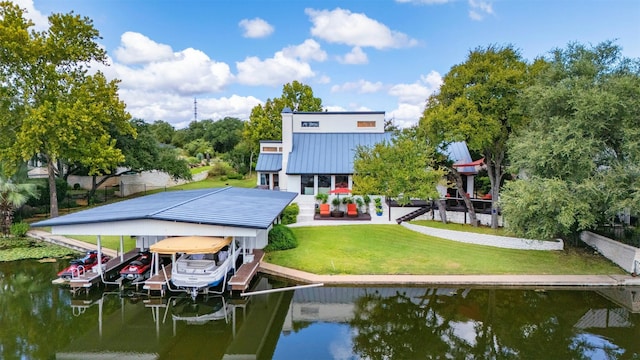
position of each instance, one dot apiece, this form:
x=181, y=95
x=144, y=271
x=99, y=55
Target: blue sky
x=372, y=55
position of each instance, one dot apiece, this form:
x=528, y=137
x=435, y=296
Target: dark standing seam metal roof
x=328, y=153
x=269, y=162
x=459, y=153
x=238, y=207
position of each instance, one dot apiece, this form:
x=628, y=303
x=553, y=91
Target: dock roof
x=229, y=206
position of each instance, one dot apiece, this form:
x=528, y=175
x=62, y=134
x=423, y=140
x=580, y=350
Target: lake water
x=39, y=320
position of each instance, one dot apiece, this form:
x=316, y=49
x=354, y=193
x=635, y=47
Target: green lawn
x=108, y=241
x=393, y=249
x=248, y=182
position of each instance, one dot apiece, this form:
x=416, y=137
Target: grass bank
x=393, y=249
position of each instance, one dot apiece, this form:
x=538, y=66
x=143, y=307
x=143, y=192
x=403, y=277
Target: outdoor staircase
x=307, y=210
x=414, y=214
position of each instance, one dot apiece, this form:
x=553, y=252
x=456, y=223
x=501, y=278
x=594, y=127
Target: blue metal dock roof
x=328, y=153
x=238, y=207
x=269, y=162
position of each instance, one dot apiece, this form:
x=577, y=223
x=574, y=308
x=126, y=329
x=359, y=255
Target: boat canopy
x=190, y=245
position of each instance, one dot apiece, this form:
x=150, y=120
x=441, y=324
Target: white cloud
x=418, y=92
x=360, y=86
x=40, y=21
x=285, y=66
x=178, y=109
x=412, y=98
x=255, y=28
x=479, y=8
x=356, y=56
x=354, y=29
x=308, y=50
x=406, y=115
x=188, y=72
x=136, y=48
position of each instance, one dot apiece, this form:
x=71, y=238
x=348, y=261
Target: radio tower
x=195, y=109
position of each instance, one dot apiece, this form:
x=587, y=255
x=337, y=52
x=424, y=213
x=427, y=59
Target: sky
x=228, y=56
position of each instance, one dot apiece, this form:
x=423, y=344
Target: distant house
x=317, y=151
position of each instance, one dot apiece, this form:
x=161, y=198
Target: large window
x=342, y=181
x=324, y=184
x=306, y=184
x=264, y=179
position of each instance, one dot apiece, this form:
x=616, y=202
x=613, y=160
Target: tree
x=403, y=169
x=162, y=131
x=580, y=154
x=53, y=106
x=144, y=153
x=265, y=122
x=477, y=103
x=224, y=134
x=13, y=194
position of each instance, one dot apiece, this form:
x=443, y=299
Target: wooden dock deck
x=158, y=282
x=88, y=279
x=242, y=278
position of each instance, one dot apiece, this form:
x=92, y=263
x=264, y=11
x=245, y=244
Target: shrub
x=19, y=229
x=281, y=238
x=323, y=198
x=219, y=168
x=290, y=214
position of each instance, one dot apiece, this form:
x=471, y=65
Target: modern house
x=317, y=151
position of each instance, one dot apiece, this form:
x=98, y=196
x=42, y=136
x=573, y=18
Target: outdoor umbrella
x=339, y=191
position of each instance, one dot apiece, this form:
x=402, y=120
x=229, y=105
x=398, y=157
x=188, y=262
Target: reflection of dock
x=113, y=266
x=629, y=298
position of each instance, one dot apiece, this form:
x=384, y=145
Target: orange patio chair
x=325, y=210
x=352, y=210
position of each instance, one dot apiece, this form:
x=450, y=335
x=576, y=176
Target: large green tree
x=51, y=105
x=579, y=158
x=478, y=103
x=403, y=169
x=143, y=153
x=224, y=134
x=265, y=121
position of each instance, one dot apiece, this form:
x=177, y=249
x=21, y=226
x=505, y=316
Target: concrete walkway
x=67, y=242
x=477, y=280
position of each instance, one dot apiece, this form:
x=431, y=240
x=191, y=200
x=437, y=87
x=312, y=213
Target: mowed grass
x=247, y=182
x=107, y=241
x=393, y=249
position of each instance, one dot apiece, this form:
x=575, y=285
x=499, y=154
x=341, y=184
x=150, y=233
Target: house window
x=306, y=184
x=366, y=124
x=264, y=179
x=342, y=181
x=269, y=149
x=324, y=184
x=310, y=124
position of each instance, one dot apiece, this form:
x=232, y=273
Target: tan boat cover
x=190, y=245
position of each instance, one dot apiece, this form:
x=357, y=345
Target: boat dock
x=242, y=278
x=159, y=282
x=88, y=279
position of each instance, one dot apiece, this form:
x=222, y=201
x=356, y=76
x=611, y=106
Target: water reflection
x=42, y=321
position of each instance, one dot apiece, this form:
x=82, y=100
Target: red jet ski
x=83, y=265
x=139, y=268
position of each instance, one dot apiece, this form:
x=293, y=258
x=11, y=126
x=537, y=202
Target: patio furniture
x=352, y=210
x=325, y=210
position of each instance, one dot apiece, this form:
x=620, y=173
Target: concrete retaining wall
x=625, y=256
